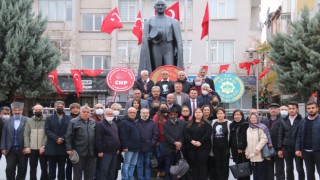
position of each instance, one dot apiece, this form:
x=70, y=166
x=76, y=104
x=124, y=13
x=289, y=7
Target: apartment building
x=74, y=27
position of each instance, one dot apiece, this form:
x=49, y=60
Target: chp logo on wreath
x=229, y=87
x=120, y=79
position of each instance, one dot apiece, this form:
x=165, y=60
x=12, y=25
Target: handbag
x=267, y=152
x=154, y=163
x=241, y=170
x=180, y=169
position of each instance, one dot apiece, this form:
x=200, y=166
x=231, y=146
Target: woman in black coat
x=238, y=138
x=197, y=134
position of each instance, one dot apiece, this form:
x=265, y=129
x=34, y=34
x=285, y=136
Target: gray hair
x=205, y=85
x=116, y=105
x=108, y=110
x=59, y=102
x=144, y=71
x=37, y=105
x=155, y=87
x=84, y=107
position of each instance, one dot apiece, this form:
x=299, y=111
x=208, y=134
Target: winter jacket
x=256, y=139
x=315, y=135
x=172, y=133
x=34, y=135
x=160, y=127
x=238, y=135
x=130, y=137
x=81, y=136
x=54, y=130
x=149, y=134
x=185, y=85
x=274, y=129
x=200, y=133
x=107, y=137
x=139, y=84
x=287, y=132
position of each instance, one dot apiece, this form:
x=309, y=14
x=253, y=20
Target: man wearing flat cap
x=173, y=134
x=272, y=121
x=12, y=143
x=162, y=41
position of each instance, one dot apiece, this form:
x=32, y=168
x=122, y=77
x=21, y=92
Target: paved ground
x=3, y=175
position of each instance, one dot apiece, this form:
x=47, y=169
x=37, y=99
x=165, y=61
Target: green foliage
x=297, y=57
x=26, y=56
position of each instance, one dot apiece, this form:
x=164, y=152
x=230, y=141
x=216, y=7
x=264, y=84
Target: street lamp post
x=251, y=52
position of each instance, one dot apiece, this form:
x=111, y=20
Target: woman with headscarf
x=256, y=139
x=238, y=138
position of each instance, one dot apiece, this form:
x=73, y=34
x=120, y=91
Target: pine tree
x=26, y=56
x=297, y=57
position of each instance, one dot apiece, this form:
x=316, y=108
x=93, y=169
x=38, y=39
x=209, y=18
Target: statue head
x=160, y=6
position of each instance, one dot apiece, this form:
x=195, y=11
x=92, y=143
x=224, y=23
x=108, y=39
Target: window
x=222, y=9
x=187, y=52
x=222, y=51
x=92, y=22
x=128, y=10
x=56, y=10
x=128, y=52
x=64, y=48
x=95, y=62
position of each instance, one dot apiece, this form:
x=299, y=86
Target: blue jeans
x=129, y=163
x=143, y=165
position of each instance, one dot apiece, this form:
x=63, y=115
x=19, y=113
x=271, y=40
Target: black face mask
x=156, y=108
x=37, y=114
x=60, y=110
x=215, y=103
x=164, y=110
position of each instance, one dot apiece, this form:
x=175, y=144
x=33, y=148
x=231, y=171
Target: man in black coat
x=182, y=78
x=173, y=134
x=288, y=129
x=144, y=84
x=56, y=128
x=12, y=143
x=172, y=104
x=272, y=121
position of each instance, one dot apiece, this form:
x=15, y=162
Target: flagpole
x=185, y=26
x=209, y=59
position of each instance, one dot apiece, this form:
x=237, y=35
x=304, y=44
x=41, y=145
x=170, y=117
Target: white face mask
x=109, y=118
x=198, y=83
x=6, y=117
x=116, y=113
x=144, y=118
x=204, y=92
x=284, y=113
x=99, y=111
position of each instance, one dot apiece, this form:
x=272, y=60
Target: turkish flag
x=256, y=61
x=111, y=22
x=173, y=11
x=246, y=65
x=53, y=76
x=205, y=22
x=205, y=68
x=91, y=73
x=76, y=75
x=223, y=68
x=264, y=72
x=137, y=29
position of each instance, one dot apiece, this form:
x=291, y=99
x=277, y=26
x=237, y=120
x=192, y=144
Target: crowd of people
x=163, y=121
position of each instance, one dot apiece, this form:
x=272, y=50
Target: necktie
x=193, y=105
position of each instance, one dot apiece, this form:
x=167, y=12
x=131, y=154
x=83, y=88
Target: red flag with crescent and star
x=137, y=29
x=91, y=73
x=205, y=22
x=111, y=22
x=53, y=76
x=76, y=75
x=173, y=11
x=223, y=68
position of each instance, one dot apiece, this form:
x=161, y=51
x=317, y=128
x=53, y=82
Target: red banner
x=53, y=76
x=91, y=73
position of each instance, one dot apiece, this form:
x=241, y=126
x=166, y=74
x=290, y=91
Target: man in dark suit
x=144, y=84
x=172, y=104
x=12, y=143
x=193, y=103
x=56, y=127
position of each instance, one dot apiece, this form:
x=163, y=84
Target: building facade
x=74, y=27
